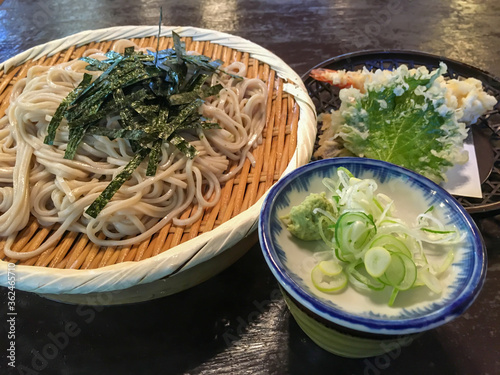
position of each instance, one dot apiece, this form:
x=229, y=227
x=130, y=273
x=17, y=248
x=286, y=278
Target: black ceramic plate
x=486, y=131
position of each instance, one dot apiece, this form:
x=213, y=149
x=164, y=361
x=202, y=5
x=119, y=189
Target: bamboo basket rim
x=204, y=246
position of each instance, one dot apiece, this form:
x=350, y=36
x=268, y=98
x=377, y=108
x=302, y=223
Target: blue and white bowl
x=352, y=323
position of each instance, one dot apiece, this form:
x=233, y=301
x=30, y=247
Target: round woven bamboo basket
x=76, y=270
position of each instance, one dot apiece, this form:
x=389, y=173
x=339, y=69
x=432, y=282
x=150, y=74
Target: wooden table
x=237, y=323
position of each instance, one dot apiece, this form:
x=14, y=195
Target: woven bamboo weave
x=279, y=140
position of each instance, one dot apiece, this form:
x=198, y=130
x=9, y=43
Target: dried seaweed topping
x=156, y=96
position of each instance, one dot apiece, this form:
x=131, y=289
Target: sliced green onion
x=431, y=208
x=437, y=231
x=355, y=270
x=346, y=171
x=377, y=260
x=330, y=267
x=431, y=281
x=410, y=273
x=371, y=248
x=326, y=283
x=395, y=273
x=343, y=256
x=390, y=243
x=326, y=240
x=353, y=231
x=448, y=261
x=393, y=296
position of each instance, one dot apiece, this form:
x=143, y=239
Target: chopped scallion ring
x=377, y=260
x=410, y=273
x=326, y=283
x=431, y=281
x=330, y=267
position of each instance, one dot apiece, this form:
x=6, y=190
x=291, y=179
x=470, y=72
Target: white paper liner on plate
x=205, y=246
x=463, y=179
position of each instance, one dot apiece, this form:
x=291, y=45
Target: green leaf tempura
x=405, y=121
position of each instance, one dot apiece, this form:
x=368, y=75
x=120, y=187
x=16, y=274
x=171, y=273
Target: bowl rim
x=314, y=305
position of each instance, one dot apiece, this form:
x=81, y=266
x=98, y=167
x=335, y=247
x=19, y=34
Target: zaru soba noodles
x=35, y=178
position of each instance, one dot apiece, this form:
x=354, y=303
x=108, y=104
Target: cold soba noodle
x=35, y=178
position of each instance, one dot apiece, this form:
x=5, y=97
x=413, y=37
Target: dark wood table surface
x=236, y=323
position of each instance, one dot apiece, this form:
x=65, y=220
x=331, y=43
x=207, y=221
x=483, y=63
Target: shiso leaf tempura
x=371, y=248
x=410, y=117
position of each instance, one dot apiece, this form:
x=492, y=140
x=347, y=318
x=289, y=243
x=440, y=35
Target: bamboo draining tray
x=279, y=144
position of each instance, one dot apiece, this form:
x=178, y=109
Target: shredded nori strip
x=196, y=93
x=135, y=134
x=128, y=51
x=154, y=158
x=182, y=116
x=110, y=190
x=95, y=64
x=76, y=135
x=179, y=47
x=183, y=146
x=58, y=115
x=156, y=97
